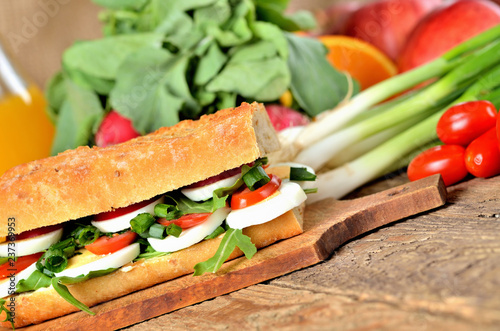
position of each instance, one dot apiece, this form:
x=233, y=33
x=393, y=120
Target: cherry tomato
x=498, y=130
x=20, y=264
x=482, y=156
x=447, y=160
x=186, y=221
x=122, y=211
x=464, y=122
x=245, y=198
x=37, y=232
x=106, y=245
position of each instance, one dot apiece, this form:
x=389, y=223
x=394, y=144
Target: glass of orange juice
x=25, y=130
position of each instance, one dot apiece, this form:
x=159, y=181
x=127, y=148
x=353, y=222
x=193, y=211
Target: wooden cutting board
x=327, y=225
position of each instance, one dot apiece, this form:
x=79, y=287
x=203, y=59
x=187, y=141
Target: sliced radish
x=31, y=245
x=192, y=235
x=206, y=192
x=122, y=221
x=113, y=260
x=8, y=285
x=290, y=196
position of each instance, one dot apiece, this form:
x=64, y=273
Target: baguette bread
x=87, y=181
x=43, y=304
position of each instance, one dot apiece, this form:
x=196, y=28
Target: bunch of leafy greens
x=163, y=61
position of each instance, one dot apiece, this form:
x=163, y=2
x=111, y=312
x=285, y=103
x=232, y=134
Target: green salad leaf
x=160, y=62
x=232, y=239
x=59, y=284
x=35, y=281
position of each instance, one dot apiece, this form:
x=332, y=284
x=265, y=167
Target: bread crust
x=88, y=181
x=43, y=304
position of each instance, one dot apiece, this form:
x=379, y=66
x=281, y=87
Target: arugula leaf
x=220, y=230
x=59, y=284
x=8, y=314
x=308, y=64
x=232, y=239
x=35, y=281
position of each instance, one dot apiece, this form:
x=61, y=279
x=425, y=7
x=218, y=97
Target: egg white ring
x=192, y=235
x=206, y=192
x=30, y=245
x=123, y=222
x=5, y=284
x=291, y=195
x=305, y=184
x=113, y=260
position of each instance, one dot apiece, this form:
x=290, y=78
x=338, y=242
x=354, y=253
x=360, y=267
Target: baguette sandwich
x=93, y=224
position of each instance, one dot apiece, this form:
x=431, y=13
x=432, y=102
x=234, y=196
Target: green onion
x=301, y=174
x=85, y=234
x=142, y=222
x=255, y=178
x=342, y=180
x=336, y=119
x=318, y=154
x=157, y=231
x=174, y=230
x=169, y=212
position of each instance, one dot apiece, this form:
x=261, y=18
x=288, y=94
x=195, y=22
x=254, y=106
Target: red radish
x=445, y=28
x=283, y=117
x=386, y=24
x=114, y=129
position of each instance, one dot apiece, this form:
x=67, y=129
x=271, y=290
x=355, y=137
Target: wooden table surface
x=436, y=271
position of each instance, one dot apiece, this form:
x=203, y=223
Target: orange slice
x=363, y=61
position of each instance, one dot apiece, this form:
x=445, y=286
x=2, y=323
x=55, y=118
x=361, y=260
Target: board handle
x=376, y=210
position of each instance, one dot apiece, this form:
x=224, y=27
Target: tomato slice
x=37, y=232
x=20, y=264
x=247, y=198
x=447, y=160
x=122, y=211
x=186, y=221
x=107, y=245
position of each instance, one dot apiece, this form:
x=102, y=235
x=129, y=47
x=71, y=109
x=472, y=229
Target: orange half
x=363, y=61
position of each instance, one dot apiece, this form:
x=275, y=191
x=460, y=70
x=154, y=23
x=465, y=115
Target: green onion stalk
x=319, y=153
x=380, y=160
x=334, y=120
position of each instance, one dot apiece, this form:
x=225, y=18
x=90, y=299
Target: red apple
x=446, y=27
x=386, y=24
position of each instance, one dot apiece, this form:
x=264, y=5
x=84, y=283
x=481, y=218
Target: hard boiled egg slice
x=7, y=283
x=122, y=222
x=86, y=262
x=290, y=195
x=31, y=245
x=192, y=235
x=206, y=192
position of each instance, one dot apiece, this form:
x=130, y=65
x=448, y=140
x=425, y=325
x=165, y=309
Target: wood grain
x=435, y=271
x=328, y=224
